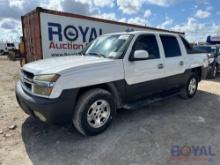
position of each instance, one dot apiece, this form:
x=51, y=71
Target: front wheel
x=190, y=88
x=94, y=112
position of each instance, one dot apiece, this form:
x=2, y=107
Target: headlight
x=43, y=84
x=47, y=77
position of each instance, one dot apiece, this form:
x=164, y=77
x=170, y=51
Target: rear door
x=174, y=60
x=144, y=77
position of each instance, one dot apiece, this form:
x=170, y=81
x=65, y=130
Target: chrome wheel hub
x=98, y=113
x=192, y=86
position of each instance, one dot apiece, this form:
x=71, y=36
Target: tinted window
x=188, y=47
x=148, y=43
x=171, y=46
x=10, y=45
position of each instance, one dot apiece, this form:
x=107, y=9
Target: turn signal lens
x=42, y=90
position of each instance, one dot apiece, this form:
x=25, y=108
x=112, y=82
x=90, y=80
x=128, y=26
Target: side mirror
x=140, y=55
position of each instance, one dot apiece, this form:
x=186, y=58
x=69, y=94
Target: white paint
x=141, y=71
x=78, y=71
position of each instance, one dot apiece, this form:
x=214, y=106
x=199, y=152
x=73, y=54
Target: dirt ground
x=144, y=136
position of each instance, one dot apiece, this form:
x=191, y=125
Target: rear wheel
x=190, y=88
x=94, y=112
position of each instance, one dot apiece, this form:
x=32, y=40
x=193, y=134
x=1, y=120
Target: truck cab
x=10, y=46
x=118, y=70
x=6, y=47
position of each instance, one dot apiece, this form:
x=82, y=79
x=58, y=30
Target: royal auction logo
x=192, y=153
x=70, y=37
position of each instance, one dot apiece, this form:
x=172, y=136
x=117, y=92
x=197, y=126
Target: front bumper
x=59, y=110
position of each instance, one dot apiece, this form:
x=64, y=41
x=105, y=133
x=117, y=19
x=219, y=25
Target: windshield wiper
x=81, y=53
x=96, y=54
x=78, y=54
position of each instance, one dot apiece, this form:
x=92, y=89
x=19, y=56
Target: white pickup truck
x=115, y=71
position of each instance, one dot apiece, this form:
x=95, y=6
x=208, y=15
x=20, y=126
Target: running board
x=145, y=102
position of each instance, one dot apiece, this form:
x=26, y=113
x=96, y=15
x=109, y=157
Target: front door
x=144, y=77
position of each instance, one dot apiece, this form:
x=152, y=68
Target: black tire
x=80, y=120
x=213, y=72
x=185, y=91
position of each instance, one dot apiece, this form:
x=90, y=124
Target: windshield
x=207, y=49
x=108, y=46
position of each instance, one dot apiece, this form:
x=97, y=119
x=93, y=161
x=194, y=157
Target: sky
x=197, y=18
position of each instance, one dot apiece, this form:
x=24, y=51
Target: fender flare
x=118, y=97
x=117, y=90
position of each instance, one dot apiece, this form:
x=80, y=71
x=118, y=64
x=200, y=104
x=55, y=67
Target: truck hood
x=61, y=64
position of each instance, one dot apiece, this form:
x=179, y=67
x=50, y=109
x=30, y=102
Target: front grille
x=27, y=80
x=28, y=74
x=28, y=86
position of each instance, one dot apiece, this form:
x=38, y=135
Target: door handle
x=181, y=63
x=160, y=66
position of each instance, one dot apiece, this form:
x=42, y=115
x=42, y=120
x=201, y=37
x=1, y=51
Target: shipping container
x=49, y=33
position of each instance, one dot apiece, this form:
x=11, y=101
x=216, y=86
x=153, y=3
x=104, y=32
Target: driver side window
x=148, y=43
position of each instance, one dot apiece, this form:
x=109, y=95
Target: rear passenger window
x=188, y=47
x=171, y=46
x=148, y=43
